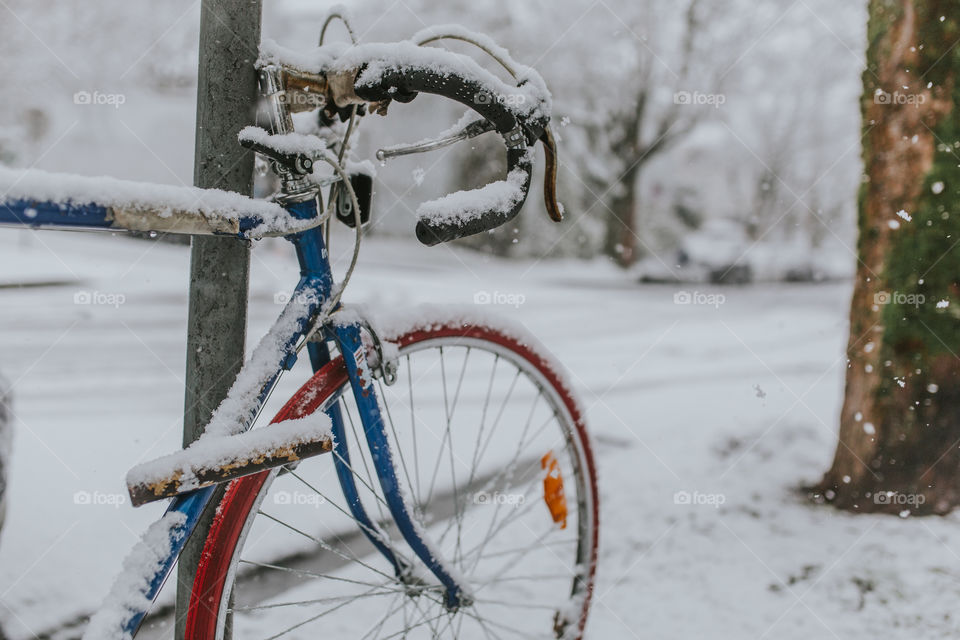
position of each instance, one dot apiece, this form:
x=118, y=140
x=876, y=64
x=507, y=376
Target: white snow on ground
x=706, y=415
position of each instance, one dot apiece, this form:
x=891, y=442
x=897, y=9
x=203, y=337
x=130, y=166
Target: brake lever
x=472, y=130
x=554, y=209
x=297, y=163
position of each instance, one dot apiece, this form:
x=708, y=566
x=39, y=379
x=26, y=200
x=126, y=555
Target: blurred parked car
x=713, y=253
x=721, y=252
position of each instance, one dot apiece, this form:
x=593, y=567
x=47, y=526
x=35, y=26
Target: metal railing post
x=219, y=267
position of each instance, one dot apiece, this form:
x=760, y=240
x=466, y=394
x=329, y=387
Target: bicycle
x=469, y=497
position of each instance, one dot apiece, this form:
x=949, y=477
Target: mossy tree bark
x=899, y=443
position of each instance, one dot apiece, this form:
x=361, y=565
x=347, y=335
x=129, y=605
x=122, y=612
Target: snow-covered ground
x=706, y=416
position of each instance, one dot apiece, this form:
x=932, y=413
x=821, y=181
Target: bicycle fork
x=314, y=262
x=361, y=381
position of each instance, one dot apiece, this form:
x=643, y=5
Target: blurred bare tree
x=645, y=123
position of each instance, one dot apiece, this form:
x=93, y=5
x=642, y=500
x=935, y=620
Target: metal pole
x=219, y=267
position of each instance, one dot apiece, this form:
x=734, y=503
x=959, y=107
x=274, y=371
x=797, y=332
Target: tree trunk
x=900, y=422
x=620, y=241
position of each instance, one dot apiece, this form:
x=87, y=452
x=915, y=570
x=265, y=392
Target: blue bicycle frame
x=315, y=285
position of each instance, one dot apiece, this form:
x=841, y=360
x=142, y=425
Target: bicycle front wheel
x=493, y=453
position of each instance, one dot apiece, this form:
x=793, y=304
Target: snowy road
x=706, y=418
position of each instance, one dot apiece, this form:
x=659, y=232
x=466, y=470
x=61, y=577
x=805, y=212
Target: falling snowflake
x=903, y=214
x=418, y=175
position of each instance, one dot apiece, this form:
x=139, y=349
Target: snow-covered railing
x=39, y=198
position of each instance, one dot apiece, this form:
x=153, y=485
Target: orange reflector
x=553, y=489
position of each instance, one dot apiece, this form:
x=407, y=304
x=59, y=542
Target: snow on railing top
x=531, y=99
x=163, y=201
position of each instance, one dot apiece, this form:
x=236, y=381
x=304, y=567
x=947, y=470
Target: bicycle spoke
x=378, y=533
x=458, y=513
x=395, y=606
x=496, y=421
x=456, y=394
x=533, y=577
x=486, y=406
x=325, y=546
x=502, y=626
x=514, y=550
x=523, y=434
x=393, y=429
x=448, y=436
x=413, y=433
x=425, y=618
x=522, y=551
x=459, y=626
x=378, y=626
x=495, y=528
x=306, y=574
x=486, y=631
x=419, y=624
x=519, y=605
x=436, y=467
x=308, y=621
x=300, y=603
x=508, y=468
x=369, y=486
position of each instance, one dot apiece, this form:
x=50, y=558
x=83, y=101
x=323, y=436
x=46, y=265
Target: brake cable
x=468, y=40
x=337, y=15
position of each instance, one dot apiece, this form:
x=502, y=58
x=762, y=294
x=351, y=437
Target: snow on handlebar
x=378, y=74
